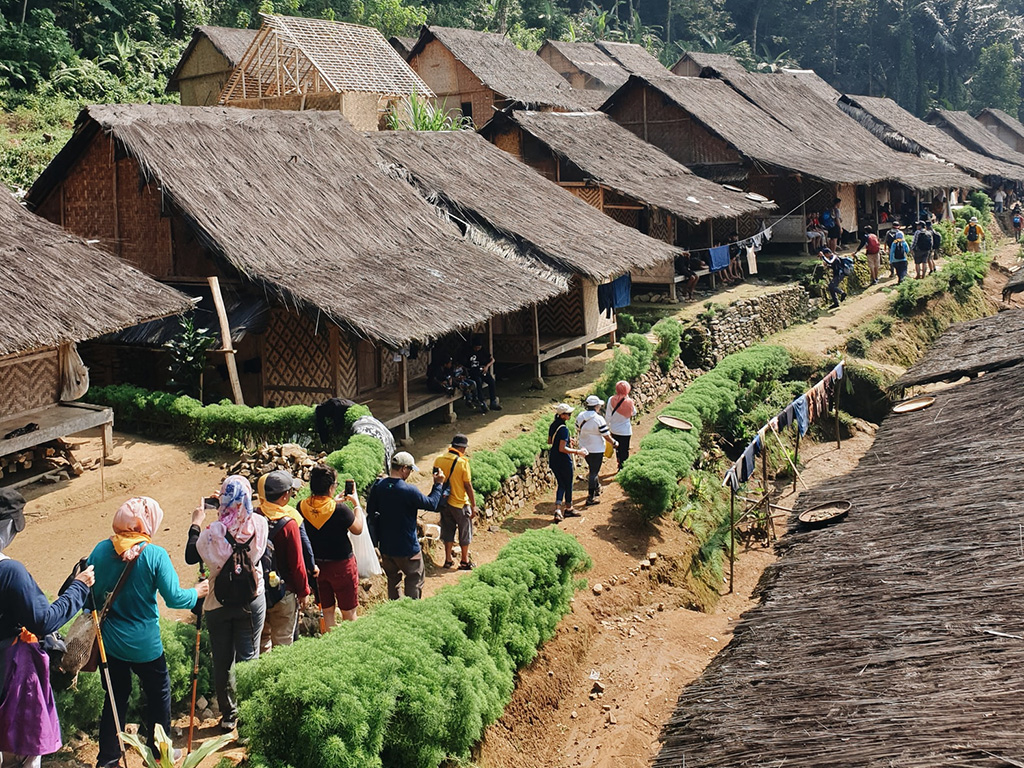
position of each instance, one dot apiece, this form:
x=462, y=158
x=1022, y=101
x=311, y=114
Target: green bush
x=982, y=203
x=629, y=362
x=416, y=682
x=950, y=238
x=669, y=332
x=362, y=460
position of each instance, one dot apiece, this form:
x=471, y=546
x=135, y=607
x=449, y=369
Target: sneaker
x=590, y=502
x=228, y=724
x=835, y=305
x=572, y=513
x=842, y=295
x=466, y=566
x=558, y=516
x=874, y=282
x=495, y=406
x=483, y=408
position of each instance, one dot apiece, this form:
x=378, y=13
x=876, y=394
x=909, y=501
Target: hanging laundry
x=757, y=241
x=751, y=261
x=719, y=257
x=767, y=233
x=800, y=414
x=731, y=479
x=785, y=418
x=616, y=294
x=838, y=370
x=746, y=462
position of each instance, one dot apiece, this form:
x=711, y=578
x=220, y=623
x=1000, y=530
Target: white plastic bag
x=366, y=556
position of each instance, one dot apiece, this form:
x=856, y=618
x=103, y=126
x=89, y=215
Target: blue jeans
x=563, y=473
x=901, y=269
x=156, y=690
x=234, y=636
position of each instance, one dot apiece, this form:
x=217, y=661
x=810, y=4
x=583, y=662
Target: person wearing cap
x=458, y=502
x=592, y=435
x=560, y=460
x=890, y=236
x=921, y=246
x=23, y=606
x=288, y=569
x=898, y=256
x=974, y=234
x=392, y=513
x=835, y=264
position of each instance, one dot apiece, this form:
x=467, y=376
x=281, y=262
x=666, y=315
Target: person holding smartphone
x=329, y=518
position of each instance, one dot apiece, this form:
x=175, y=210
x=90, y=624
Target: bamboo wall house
x=892, y=637
x=297, y=63
x=906, y=133
x=628, y=179
x=357, y=281
x=973, y=135
x=476, y=73
x=699, y=64
x=1007, y=128
x=599, y=66
x=58, y=290
x=491, y=191
x=207, y=63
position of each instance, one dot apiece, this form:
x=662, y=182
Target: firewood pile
x=268, y=458
x=55, y=459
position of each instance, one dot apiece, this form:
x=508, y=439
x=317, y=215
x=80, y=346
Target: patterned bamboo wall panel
x=562, y=315
x=589, y=195
x=31, y=381
x=511, y=142
x=630, y=218
x=662, y=226
x=297, y=359
x=346, y=366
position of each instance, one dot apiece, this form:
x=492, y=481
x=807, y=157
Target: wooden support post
x=538, y=382
x=108, y=439
x=225, y=335
x=767, y=493
x=796, y=455
x=490, y=345
x=334, y=339
x=803, y=213
x=403, y=396
x=732, y=537
x=839, y=439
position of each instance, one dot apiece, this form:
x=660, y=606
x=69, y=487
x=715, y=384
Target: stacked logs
x=53, y=458
x=268, y=458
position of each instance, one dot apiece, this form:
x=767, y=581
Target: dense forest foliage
x=960, y=54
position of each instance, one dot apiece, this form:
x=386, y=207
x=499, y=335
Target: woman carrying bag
x=131, y=627
x=621, y=410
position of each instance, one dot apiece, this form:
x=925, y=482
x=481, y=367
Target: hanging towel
x=751, y=260
x=785, y=417
x=616, y=294
x=746, y=463
x=731, y=480
x=800, y=414
x=719, y=257
x=838, y=370
x=768, y=233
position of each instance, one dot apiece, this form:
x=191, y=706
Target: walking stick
x=106, y=677
x=195, y=665
x=319, y=607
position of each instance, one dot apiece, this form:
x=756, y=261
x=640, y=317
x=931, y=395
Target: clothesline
x=801, y=412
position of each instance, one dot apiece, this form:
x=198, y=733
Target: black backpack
x=972, y=232
x=924, y=241
x=268, y=563
x=235, y=585
x=936, y=240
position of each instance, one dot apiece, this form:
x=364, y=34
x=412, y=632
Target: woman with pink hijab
x=131, y=630
x=618, y=413
x=234, y=629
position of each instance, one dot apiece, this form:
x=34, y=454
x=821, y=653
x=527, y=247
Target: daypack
x=268, y=563
x=873, y=246
x=924, y=242
x=828, y=219
x=1017, y=221
x=235, y=585
x=899, y=251
x=936, y=240
x=972, y=232
x=845, y=266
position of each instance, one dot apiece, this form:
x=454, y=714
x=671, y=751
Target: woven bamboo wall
x=297, y=360
x=28, y=381
x=88, y=193
x=203, y=75
x=390, y=369
x=593, y=196
x=563, y=315
x=510, y=141
x=594, y=319
x=452, y=82
x=847, y=194
x=144, y=236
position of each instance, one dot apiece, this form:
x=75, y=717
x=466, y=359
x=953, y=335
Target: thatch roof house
x=814, y=83
x=58, y=290
x=1007, y=128
x=628, y=179
x=892, y=637
x=906, y=133
x=600, y=65
x=298, y=63
x=477, y=73
x=403, y=45
x=207, y=63
x=492, y=191
x=699, y=64
x=973, y=135
x=298, y=210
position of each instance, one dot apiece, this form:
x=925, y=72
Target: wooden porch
x=396, y=405
x=56, y=421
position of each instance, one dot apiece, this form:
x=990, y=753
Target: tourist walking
x=832, y=220
x=921, y=246
x=936, y=238
x=131, y=629
x=974, y=234
x=458, y=502
x=1017, y=219
x=898, y=256
x=621, y=410
x=872, y=250
x=560, y=460
x=836, y=265
x=25, y=609
x=999, y=198
x=235, y=608
x=392, y=512
x=592, y=435
x=329, y=519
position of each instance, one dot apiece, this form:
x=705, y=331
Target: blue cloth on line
x=785, y=418
x=800, y=414
x=730, y=478
x=615, y=294
x=746, y=461
x=719, y=257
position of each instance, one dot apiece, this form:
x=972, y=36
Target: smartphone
x=211, y=502
x=350, y=487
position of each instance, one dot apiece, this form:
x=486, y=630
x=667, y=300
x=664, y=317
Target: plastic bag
x=28, y=714
x=366, y=557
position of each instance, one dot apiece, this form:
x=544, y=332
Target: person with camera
x=329, y=518
x=392, y=513
x=458, y=502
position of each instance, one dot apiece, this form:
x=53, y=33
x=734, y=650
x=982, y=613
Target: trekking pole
x=198, y=610
x=319, y=608
x=106, y=677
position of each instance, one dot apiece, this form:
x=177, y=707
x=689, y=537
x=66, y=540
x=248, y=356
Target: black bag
x=936, y=240
x=924, y=242
x=972, y=232
x=235, y=585
x=268, y=563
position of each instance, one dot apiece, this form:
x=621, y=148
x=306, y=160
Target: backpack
x=828, y=219
x=268, y=563
x=235, y=585
x=936, y=240
x=924, y=242
x=873, y=246
x=901, y=251
x=845, y=266
x=972, y=232
x=1017, y=221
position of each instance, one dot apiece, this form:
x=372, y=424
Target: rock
x=645, y=565
x=202, y=703
x=563, y=365
x=606, y=707
x=598, y=687
x=206, y=714
x=598, y=588
x=572, y=715
x=652, y=556
x=611, y=718
x=493, y=528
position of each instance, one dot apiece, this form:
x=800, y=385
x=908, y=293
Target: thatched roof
x=712, y=63
x=968, y=348
x=57, y=288
x=616, y=158
x=520, y=76
x=592, y=61
x=969, y=132
x=492, y=189
x=634, y=59
x=1012, y=124
x=1014, y=284
x=813, y=82
x=906, y=133
x=229, y=41
x=402, y=44
x=851, y=148
x=298, y=203
x=892, y=638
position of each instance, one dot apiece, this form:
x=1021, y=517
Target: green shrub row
x=629, y=362
x=416, y=682
x=713, y=403
x=670, y=333
x=957, y=275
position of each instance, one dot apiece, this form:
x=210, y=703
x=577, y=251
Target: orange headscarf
x=134, y=524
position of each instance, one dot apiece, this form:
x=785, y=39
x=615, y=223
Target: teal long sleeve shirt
x=131, y=631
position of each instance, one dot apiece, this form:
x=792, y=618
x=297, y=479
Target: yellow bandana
x=317, y=510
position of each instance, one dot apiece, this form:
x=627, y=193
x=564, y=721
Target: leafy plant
x=165, y=758
x=188, y=357
x=417, y=113
x=669, y=332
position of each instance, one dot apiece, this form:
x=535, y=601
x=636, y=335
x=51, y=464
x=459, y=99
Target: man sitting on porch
x=480, y=363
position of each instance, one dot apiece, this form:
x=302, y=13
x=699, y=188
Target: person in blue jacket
x=131, y=631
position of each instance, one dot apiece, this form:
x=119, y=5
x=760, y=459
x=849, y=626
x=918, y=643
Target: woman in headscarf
x=131, y=630
x=23, y=606
x=234, y=629
x=621, y=409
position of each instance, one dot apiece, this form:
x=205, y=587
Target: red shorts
x=339, y=583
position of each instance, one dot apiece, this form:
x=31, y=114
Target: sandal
x=448, y=564
x=466, y=566
x=558, y=516
x=572, y=513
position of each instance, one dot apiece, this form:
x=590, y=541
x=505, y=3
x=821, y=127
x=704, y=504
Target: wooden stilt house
x=58, y=290
x=1007, y=128
x=628, y=179
x=699, y=64
x=360, y=272
x=207, y=63
x=500, y=199
x=298, y=64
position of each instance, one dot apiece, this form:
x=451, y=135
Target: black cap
x=460, y=441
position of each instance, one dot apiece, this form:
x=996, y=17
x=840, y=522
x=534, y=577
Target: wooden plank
x=54, y=421
x=225, y=335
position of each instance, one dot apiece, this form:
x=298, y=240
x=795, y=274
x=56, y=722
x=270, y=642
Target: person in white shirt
x=592, y=435
x=621, y=409
x=999, y=198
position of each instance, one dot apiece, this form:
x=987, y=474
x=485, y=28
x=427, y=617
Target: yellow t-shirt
x=459, y=477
